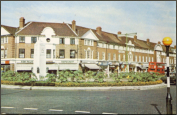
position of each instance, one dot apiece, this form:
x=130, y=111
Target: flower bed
x=83, y=84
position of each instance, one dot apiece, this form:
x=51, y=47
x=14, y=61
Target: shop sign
x=27, y=61
x=112, y=66
x=67, y=61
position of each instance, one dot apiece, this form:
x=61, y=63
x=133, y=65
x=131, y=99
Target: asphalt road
x=18, y=101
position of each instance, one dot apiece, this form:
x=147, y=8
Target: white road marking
x=7, y=107
x=55, y=110
x=3, y=113
x=82, y=111
x=109, y=113
x=31, y=108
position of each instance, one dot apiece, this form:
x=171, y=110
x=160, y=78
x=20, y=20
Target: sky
x=149, y=19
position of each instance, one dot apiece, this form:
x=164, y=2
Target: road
x=18, y=101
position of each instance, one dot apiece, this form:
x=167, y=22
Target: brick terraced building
x=76, y=48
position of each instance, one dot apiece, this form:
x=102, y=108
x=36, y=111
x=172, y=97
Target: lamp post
x=167, y=41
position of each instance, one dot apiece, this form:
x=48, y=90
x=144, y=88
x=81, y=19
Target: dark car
x=172, y=78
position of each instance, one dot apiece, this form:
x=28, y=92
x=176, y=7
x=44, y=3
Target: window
x=72, y=40
x=61, y=53
x=5, y=56
x=109, y=56
x=146, y=59
x=98, y=55
x=62, y=40
x=48, y=53
x=72, y=53
x=22, y=39
x=152, y=59
x=114, y=57
x=21, y=53
x=53, y=53
x=108, y=46
x=135, y=58
x=2, y=40
x=33, y=39
x=124, y=57
x=103, y=56
x=5, y=41
x=88, y=42
x=143, y=59
x=139, y=58
x=119, y=57
x=2, y=53
x=88, y=54
x=113, y=46
x=149, y=59
x=103, y=45
x=32, y=53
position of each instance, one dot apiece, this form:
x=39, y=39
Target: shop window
x=72, y=40
x=62, y=53
x=33, y=39
x=21, y=53
x=32, y=53
x=48, y=53
x=72, y=53
x=22, y=39
x=62, y=40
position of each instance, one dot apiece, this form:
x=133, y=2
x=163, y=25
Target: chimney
x=119, y=32
x=98, y=30
x=74, y=25
x=147, y=41
x=158, y=42
x=135, y=38
x=22, y=22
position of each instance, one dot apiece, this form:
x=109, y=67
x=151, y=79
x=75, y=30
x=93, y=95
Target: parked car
x=172, y=78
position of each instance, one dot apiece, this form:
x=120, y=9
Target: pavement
x=147, y=87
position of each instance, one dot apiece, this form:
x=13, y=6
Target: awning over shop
x=92, y=66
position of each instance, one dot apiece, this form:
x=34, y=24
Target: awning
x=92, y=66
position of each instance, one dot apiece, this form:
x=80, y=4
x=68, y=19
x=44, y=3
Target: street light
x=127, y=34
x=167, y=41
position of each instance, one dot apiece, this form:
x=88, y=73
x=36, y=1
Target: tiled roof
x=11, y=30
x=36, y=28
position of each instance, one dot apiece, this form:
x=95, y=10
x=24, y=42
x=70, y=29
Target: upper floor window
x=21, y=53
x=72, y=40
x=146, y=59
x=32, y=53
x=2, y=53
x=139, y=58
x=53, y=53
x=152, y=59
x=33, y=39
x=61, y=53
x=62, y=40
x=98, y=55
x=72, y=53
x=114, y=57
x=89, y=42
x=2, y=40
x=103, y=56
x=135, y=58
x=149, y=59
x=124, y=57
x=119, y=57
x=108, y=45
x=22, y=39
x=109, y=56
x=143, y=59
x=48, y=53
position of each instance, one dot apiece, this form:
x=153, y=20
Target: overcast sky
x=150, y=19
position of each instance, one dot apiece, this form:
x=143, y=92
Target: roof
x=11, y=30
x=36, y=28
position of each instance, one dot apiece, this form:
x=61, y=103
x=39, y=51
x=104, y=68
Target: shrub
x=78, y=75
x=116, y=77
x=51, y=77
x=99, y=77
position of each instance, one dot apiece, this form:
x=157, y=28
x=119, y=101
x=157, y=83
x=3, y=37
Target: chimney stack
x=135, y=38
x=22, y=22
x=119, y=32
x=74, y=25
x=147, y=41
x=98, y=30
x=158, y=42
